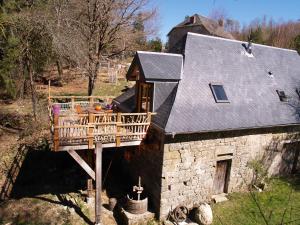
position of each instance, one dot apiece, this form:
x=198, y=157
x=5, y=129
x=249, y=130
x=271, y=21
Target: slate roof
x=164, y=95
x=126, y=101
x=188, y=105
x=158, y=66
x=212, y=26
x=251, y=91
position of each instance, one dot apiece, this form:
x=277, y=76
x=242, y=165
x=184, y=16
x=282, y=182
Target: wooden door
x=221, y=176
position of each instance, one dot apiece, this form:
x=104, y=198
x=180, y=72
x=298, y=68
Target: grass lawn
x=280, y=204
x=79, y=88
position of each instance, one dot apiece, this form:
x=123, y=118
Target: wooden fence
x=86, y=129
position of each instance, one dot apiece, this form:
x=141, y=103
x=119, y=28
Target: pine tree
x=297, y=43
x=155, y=45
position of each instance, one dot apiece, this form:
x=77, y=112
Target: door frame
x=227, y=174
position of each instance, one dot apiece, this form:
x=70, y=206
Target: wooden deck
x=74, y=126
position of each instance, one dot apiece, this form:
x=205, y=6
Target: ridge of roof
x=242, y=42
x=159, y=53
x=160, y=65
x=197, y=23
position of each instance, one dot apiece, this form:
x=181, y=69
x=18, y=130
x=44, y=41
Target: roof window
x=282, y=96
x=298, y=91
x=219, y=93
x=190, y=20
x=270, y=74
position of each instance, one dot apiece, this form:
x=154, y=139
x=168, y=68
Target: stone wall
x=189, y=162
x=176, y=39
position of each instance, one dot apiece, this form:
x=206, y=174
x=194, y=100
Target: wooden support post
x=139, y=99
x=90, y=181
x=56, y=132
x=147, y=97
x=91, y=131
x=118, y=138
x=98, y=203
x=82, y=163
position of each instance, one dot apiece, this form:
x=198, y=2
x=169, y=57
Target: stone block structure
x=182, y=169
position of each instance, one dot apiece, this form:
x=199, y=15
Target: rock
x=90, y=201
x=203, y=214
x=219, y=198
x=72, y=210
x=168, y=222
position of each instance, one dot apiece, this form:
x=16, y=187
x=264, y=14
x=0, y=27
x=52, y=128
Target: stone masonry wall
x=189, y=162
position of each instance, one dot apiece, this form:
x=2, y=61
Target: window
x=219, y=93
x=282, y=96
x=144, y=97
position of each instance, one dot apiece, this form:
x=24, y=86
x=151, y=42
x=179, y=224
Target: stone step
x=219, y=198
x=136, y=219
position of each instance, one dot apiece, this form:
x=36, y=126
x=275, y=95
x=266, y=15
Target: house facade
x=196, y=24
x=220, y=105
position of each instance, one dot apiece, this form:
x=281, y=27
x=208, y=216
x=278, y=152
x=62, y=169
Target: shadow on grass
x=39, y=172
x=64, y=201
x=35, y=174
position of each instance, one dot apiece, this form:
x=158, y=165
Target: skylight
x=298, y=91
x=282, y=96
x=270, y=73
x=219, y=93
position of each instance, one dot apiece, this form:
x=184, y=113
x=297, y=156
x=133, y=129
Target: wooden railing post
x=72, y=102
x=56, y=132
x=149, y=114
x=49, y=93
x=91, y=131
x=91, y=100
x=118, y=138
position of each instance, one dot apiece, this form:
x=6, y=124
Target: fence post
x=91, y=100
x=56, y=132
x=90, y=130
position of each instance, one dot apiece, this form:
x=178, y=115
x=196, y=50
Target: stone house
x=196, y=24
x=220, y=104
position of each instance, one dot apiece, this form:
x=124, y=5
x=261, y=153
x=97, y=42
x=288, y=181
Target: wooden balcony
x=76, y=125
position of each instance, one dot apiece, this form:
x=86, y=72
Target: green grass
x=101, y=89
x=107, y=89
x=280, y=204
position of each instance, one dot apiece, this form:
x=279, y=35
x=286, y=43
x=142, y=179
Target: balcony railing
x=75, y=124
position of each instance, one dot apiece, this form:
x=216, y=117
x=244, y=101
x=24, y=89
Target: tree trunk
x=32, y=88
x=90, y=86
x=93, y=74
x=59, y=69
x=22, y=81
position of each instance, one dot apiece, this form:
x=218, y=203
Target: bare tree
x=230, y=25
x=89, y=31
x=269, y=32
